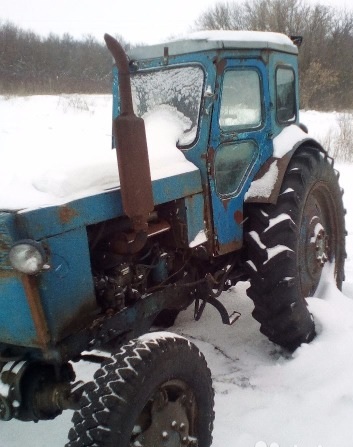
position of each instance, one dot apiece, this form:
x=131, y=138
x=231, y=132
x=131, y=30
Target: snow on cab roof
x=215, y=40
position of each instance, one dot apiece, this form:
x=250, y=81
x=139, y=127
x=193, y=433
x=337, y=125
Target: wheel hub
x=315, y=250
x=321, y=247
x=169, y=424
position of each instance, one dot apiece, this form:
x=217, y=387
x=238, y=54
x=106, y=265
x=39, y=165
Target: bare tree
x=223, y=16
x=286, y=16
x=340, y=56
x=283, y=16
x=316, y=80
x=326, y=57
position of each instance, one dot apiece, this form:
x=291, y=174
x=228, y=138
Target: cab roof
x=217, y=40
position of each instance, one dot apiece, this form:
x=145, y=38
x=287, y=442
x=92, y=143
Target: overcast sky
x=146, y=21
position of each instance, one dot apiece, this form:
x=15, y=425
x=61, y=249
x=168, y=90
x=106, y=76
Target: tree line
x=326, y=55
x=30, y=64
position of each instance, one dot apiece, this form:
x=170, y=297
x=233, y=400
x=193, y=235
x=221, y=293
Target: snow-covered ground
x=264, y=396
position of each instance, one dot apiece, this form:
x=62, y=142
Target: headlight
x=28, y=257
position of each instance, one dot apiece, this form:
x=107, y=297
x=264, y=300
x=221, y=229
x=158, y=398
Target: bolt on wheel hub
x=321, y=247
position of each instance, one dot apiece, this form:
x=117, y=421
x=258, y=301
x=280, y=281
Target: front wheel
x=289, y=244
x=156, y=391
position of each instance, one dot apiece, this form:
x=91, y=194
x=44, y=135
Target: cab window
x=232, y=165
x=285, y=95
x=241, y=100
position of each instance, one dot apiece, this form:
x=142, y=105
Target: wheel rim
x=168, y=419
x=317, y=238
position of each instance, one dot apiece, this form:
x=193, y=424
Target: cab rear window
x=285, y=95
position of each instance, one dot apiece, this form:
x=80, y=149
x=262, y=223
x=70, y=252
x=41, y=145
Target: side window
x=232, y=163
x=285, y=92
x=241, y=100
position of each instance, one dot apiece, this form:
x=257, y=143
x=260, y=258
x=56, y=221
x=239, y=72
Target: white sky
x=146, y=21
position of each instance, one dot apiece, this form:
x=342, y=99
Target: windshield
x=179, y=89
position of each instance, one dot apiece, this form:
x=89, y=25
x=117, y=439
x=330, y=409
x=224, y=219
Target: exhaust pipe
x=130, y=137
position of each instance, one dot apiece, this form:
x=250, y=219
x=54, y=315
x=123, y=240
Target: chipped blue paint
x=46, y=222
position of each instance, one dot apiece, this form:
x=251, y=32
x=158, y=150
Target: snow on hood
x=56, y=149
x=164, y=126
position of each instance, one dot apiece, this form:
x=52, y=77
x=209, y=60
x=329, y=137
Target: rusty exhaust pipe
x=130, y=136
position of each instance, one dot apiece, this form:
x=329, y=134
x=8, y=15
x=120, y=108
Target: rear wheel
x=289, y=244
x=154, y=392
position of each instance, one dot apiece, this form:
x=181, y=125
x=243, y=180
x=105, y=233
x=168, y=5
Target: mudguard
x=267, y=183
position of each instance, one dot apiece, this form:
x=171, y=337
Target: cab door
x=239, y=144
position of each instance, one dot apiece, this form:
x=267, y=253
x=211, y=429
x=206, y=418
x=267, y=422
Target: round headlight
x=27, y=256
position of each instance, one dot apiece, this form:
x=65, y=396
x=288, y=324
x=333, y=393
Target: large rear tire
x=156, y=391
x=289, y=243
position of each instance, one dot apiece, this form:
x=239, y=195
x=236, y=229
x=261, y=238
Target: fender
x=267, y=182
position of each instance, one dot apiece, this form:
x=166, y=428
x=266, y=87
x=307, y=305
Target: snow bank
x=323, y=126
x=58, y=148
x=265, y=395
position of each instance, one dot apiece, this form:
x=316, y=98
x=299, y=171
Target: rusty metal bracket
x=228, y=319
x=37, y=312
x=209, y=296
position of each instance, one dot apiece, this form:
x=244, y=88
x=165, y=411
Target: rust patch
x=4, y=246
x=225, y=203
x=130, y=134
x=211, y=154
x=10, y=273
x=238, y=217
x=66, y=214
x=210, y=161
x=220, y=65
x=208, y=220
x=227, y=248
x=37, y=312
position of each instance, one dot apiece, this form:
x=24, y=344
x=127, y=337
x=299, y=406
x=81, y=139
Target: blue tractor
x=87, y=280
